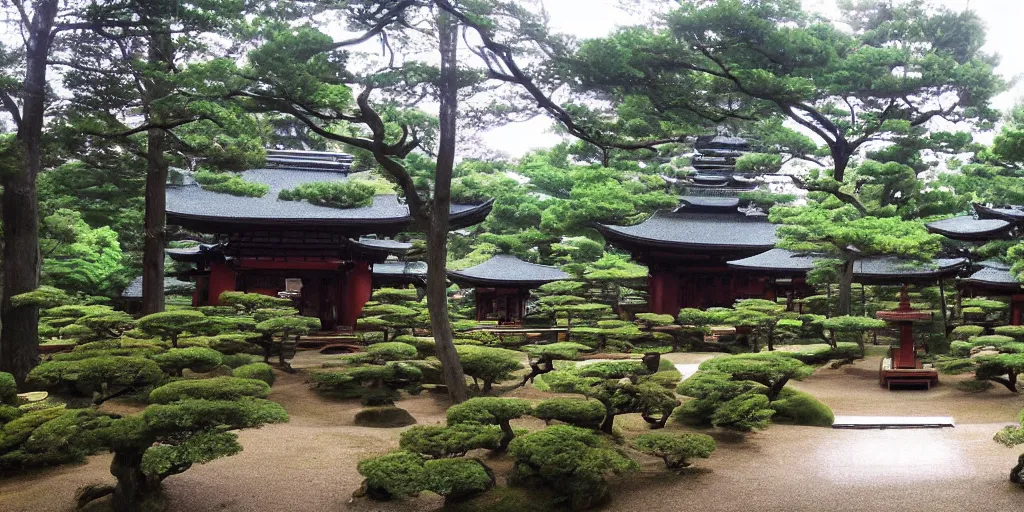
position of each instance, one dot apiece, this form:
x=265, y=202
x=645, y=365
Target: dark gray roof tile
x=171, y=286
x=698, y=230
x=505, y=269
x=967, y=227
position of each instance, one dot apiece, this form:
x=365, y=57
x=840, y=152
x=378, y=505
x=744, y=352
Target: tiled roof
x=171, y=286
x=388, y=245
x=967, y=227
x=711, y=201
x=697, y=230
x=505, y=269
x=1012, y=214
x=191, y=204
x=783, y=261
x=400, y=268
x=994, y=277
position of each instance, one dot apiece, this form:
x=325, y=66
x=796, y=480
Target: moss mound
x=384, y=417
x=800, y=408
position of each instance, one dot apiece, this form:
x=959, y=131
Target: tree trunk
x=437, y=229
x=19, y=335
x=133, y=486
x=160, y=56
x=507, y=436
x=845, y=288
x=776, y=388
x=607, y=426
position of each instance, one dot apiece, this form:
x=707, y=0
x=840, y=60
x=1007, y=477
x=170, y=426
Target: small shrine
x=902, y=366
x=502, y=286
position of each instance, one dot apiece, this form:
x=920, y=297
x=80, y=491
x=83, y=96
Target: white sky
x=595, y=18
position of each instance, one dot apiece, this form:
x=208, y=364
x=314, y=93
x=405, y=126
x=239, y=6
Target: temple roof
x=171, y=285
x=507, y=270
x=400, y=268
x=710, y=203
x=968, y=228
x=684, y=229
x=994, y=278
x=392, y=246
x=195, y=208
x=869, y=269
x=1013, y=214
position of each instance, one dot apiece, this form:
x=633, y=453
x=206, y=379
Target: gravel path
x=309, y=463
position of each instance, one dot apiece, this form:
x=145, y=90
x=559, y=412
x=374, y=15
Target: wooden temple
x=320, y=257
x=687, y=250
x=990, y=278
x=502, y=286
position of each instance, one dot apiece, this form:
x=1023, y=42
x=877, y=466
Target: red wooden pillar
x=222, y=279
x=670, y=303
x=655, y=291
x=907, y=356
x=1017, y=310
x=358, y=288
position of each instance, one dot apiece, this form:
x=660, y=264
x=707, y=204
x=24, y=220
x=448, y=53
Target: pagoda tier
x=989, y=224
x=687, y=251
x=321, y=257
x=503, y=285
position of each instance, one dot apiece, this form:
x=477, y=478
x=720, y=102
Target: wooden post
x=942, y=300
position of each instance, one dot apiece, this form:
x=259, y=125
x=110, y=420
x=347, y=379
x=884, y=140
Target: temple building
x=991, y=278
x=502, y=286
x=319, y=256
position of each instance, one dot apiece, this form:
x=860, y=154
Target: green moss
x=800, y=408
x=574, y=411
x=230, y=184
x=334, y=194
x=217, y=388
x=8, y=389
x=258, y=371
x=457, y=479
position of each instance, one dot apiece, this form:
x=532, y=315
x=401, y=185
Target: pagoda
x=991, y=278
x=502, y=286
x=319, y=256
x=688, y=249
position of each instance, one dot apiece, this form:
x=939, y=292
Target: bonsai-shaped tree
x=1013, y=436
x=169, y=325
x=488, y=364
x=107, y=325
x=403, y=473
x=437, y=442
x=168, y=439
x=763, y=316
x=773, y=370
x=281, y=333
x=248, y=303
x=491, y=411
x=104, y=377
x=197, y=359
x=47, y=437
x=854, y=326
x=392, y=309
x=677, y=450
x=617, y=333
x=720, y=401
x=660, y=327
x=376, y=377
x=572, y=461
x=575, y=412
x=696, y=323
x=543, y=357
x=622, y=387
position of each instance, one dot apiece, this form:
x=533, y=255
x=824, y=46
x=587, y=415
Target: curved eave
x=995, y=230
x=617, y=237
x=465, y=281
x=910, y=275
x=999, y=213
x=998, y=279
x=352, y=226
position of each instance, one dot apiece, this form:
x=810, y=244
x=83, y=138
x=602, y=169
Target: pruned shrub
x=771, y=369
x=258, y=371
x=394, y=475
x=217, y=388
x=457, y=479
x=491, y=411
x=576, y=412
x=800, y=408
x=248, y=303
x=966, y=332
x=8, y=389
x=169, y=325
x=381, y=353
x=232, y=184
x=746, y=412
x=374, y=384
x=49, y=437
x=676, y=450
x=102, y=377
x=452, y=441
x=488, y=364
x=1014, y=331
x=335, y=194
x=197, y=359
x=573, y=461
x=712, y=391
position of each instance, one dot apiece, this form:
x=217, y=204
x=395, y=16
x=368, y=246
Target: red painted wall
x=358, y=288
x=222, y=279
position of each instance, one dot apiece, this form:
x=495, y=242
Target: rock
x=987, y=351
x=835, y=364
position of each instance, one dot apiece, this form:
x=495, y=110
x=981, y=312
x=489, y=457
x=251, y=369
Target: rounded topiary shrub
x=800, y=408
x=217, y=388
x=197, y=359
x=394, y=475
x=457, y=479
x=258, y=371
x=8, y=389
x=960, y=348
x=387, y=416
x=438, y=442
x=491, y=411
x=391, y=351
x=966, y=332
x=574, y=411
x=572, y=461
x=1014, y=331
x=676, y=450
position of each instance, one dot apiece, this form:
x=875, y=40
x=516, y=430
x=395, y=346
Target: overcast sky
x=1004, y=20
